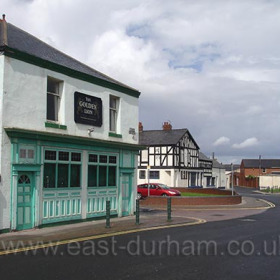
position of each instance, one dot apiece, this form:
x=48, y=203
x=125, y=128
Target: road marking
x=80, y=239
x=271, y=205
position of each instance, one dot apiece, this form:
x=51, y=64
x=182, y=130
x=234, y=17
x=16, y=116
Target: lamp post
x=148, y=169
x=231, y=179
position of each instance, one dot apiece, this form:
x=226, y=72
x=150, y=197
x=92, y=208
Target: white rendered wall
x=220, y=177
x=4, y=195
x=5, y=152
x=269, y=181
x=25, y=103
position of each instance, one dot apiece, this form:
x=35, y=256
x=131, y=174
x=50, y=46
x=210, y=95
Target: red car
x=155, y=189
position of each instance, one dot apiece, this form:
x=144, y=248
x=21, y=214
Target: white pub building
x=68, y=136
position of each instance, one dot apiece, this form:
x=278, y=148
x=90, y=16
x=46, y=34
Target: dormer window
x=53, y=99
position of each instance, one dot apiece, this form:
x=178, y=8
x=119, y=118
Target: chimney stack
x=140, y=127
x=167, y=126
x=5, y=34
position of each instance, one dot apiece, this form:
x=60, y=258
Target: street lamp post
x=148, y=169
x=231, y=179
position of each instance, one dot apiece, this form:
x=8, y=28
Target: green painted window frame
x=59, y=163
x=103, y=166
x=116, y=135
x=55, y=125
x=27, y=158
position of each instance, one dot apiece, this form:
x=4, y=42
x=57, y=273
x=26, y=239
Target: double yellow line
x=80, y=239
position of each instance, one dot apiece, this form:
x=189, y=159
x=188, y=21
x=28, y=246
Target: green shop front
x=60, y=178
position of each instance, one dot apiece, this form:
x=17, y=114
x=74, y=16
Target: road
x=241, y=248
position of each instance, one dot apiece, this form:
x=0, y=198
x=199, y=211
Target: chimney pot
x=167, y=126
x=140, y=127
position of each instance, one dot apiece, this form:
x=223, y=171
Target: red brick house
x=251, y=169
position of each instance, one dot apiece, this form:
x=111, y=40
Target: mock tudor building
x=206, y=164
x=171, y=157
x=213, y=172
x=68, y=136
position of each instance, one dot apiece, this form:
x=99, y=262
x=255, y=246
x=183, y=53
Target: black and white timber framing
x=171, y=157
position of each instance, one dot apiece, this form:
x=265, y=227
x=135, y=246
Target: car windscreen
x=163, y=186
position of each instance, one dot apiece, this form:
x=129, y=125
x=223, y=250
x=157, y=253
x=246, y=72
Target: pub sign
x=87, y=109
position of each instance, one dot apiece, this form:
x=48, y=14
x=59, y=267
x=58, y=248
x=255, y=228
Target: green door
x=126, y=193
x=25, y=201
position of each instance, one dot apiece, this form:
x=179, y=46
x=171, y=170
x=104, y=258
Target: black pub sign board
x=87, y=109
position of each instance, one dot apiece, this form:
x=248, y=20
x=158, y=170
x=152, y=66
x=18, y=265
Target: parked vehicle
x=156, y=189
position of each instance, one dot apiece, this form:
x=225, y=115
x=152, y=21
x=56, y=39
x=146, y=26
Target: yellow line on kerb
x=80, y=239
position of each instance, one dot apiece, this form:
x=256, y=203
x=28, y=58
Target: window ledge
x=55, y=125
x=112, y=134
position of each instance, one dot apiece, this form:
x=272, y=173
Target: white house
x=171, y=157
x=218, y=174
x=68, y=136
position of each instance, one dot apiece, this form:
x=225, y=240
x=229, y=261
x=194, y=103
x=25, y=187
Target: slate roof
x=217, y=164
x=202, y=156
x=163, y=137
x=22, y=41
x=263, y=163
x=228, y=167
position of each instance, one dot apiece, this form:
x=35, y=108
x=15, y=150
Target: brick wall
x=181, y=201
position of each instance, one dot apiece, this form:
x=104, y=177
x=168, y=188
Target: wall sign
x=87, y=109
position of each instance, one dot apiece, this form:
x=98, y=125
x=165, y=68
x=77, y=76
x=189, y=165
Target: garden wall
x=224, y=197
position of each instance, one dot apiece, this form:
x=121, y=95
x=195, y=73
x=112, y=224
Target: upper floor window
x=114, y=103
x=53, y=98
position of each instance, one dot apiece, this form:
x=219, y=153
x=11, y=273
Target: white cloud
x=209, y=66
x=250, y=142
x=221, y=141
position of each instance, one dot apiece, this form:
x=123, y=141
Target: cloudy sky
x=212, y=66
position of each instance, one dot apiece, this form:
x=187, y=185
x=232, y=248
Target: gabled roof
x=261, y=163
x=228, y=167
x=163, y=137
x=217, y=164
x=17, y=43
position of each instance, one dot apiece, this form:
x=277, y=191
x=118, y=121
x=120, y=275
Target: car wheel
x=164, y=194
x=139, y=195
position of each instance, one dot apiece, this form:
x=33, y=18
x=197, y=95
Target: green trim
x=61, y=223
x=112, y=134
x=64, y=138
x=14, y=53
x=5, y=230
x=26, y=167
x=55, y=125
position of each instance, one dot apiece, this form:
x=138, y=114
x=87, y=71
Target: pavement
x=150, y=219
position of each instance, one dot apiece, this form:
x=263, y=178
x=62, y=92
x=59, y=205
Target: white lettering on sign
x=87, y=111
x=87, y=105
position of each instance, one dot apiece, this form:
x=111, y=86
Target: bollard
x=108, y=209
x=168, y=209
x=137, y=214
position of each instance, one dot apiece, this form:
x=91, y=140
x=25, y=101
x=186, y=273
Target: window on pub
x=53, y=99
x=62, y=169
x=113, y=113
x=102, y=170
